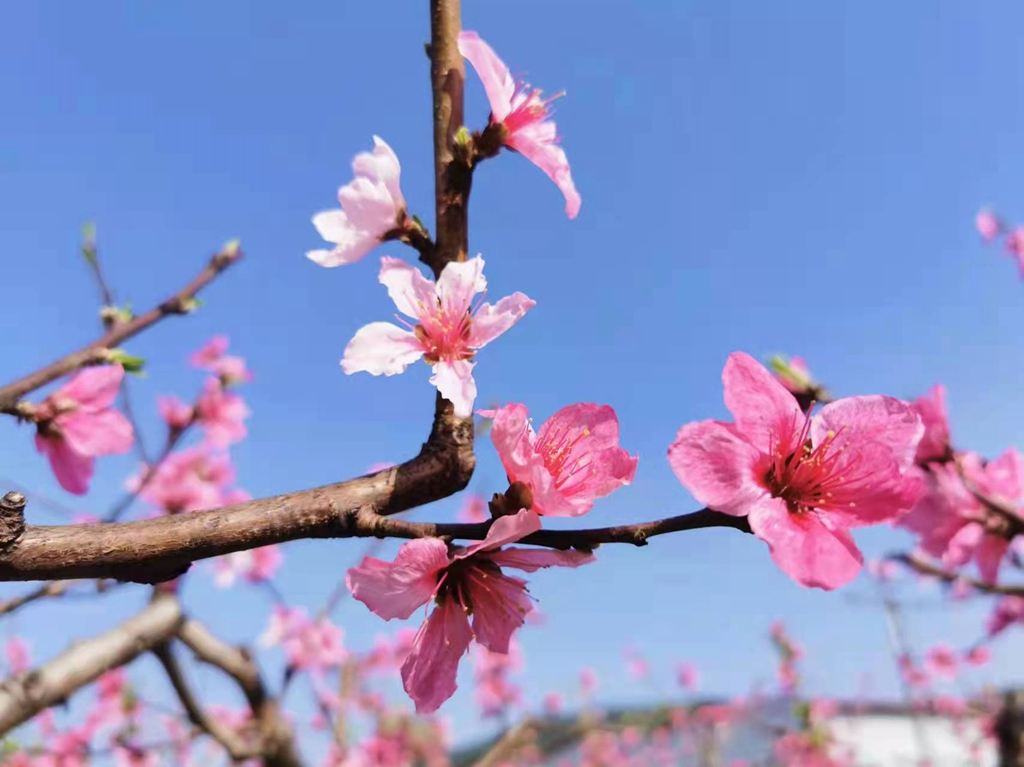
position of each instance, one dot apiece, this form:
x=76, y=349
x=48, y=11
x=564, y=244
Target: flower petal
x=396, y=589
x=489, y=322
x=413, y=294
x=531, y=560
x=454, y=380
x=492, y=71
x=381, y=165
x=94, y=388
x=513, y=438
x=717, y=466
x=500, y=605
x=351, y=243
x=884, y=420
x=429, y=671
x=381, y=348
x=72, y=470
x=990, y=557
x=93, y=434
x=505, y=530
x=458, y=283
x=804, y=548
x=760, y=404
x=538, y=144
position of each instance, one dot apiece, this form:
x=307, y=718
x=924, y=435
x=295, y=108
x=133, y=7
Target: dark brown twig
x=927, y=568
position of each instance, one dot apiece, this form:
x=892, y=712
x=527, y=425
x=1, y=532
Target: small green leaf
x=130, y=363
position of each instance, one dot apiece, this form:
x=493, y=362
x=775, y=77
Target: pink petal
x=489, y=322
x=95, y=387
x=884, y=420
x=513, y=438
x=413, y=294
x=381, y=165
x=454, y=380
x=934, y=444
x=492, y=71
x=94, y=434
x=381, y=348
x=987, y=222
x=396, y=589
x=760, y=404
x=500, y=604
x=990, y=557
x=210, y=352
x=875, y=491
x=963, y=545
x=531, y=560
x=72, y=470
x=538, y=144
x=804, y=548
x=1001, y=478
x=429, y=671
x=351, y=243
x=505, y=530
x=458, y=283
x=369, y=206
x=717, y=466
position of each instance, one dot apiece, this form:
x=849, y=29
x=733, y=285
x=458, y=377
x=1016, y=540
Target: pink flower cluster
x=990, y=226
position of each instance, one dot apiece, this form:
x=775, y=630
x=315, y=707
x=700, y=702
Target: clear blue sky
x=787, y=176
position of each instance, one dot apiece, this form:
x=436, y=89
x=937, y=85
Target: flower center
x=528, y=107
x=561, y=457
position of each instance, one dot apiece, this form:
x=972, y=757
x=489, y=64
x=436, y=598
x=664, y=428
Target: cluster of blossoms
x=991, y=227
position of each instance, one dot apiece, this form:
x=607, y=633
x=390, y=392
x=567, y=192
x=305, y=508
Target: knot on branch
x=12, y=518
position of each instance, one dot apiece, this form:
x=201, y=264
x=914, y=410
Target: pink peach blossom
x=464, y=583
x=988, y=224
x=802, y=481
x=1008, y=611
x=883, y=570
x=210, y=352
x=588, y=682
x=523, y=114
x=942, y=661
x=1015, y=246
x=473, y=510
x=977, y=656
x=254, y=565
x=213, y=357
x=189, y=480
x=688, y=676
x=221, y=414
x=176, y=414
x=315, y=645
x=553, y=704
x=448, y=333
x=19, y=655
x=76, y=424
x=372, y=205
x=574, y=459
x=934, y=445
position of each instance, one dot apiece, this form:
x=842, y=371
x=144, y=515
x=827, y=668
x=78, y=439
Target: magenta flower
x=942, y=662
x=448, y=330
x=1008, y=611
x=252, y=565
x=573, y=459
x=473, y=599
x=935, y=444
x=222, y=414
x=77, y=423
x=988, y=224
x=371, y=206
x=802, y=481
x=523, y=114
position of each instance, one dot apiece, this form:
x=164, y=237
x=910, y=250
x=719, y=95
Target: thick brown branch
x=96, y=352
x=232, y=741
x=25, y=695
x=927, y=568
x=277, y=742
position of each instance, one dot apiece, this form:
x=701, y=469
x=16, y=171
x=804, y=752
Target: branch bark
x=25, y=695
x=95, y=352
x=927, y=568
x=277, y=741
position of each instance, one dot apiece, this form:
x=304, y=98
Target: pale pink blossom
x=553, y=704
x=637, y=666
x=955, y=524
x=221, y=414
x=1008, y=611
x=496, y=693
x=915, y=676
x=176, y=414
x=210, y=352
x=882, y=570
x=252, y=565
x=988, y=224
x=231, y=370
x=19, y=655
x=314, y=645
x=284, y=621
x=465, y=583
x=1015, y=246
x=942, y=662
x=588, y=682
x=977, y=656
x=473, y=510
x=949, y=705
x=189, y=480
x=523, y=114
x=574, y=459
x=372, y=206
x=76, y=424
x=934, y=444
x=803, y=482
x=804, y=749
x=135, y=757
x=448, y=330
x=688, y=676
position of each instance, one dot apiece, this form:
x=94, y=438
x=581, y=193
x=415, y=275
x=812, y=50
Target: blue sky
x=794, y=176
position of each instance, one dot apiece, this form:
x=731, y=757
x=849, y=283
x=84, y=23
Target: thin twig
x=927, y=568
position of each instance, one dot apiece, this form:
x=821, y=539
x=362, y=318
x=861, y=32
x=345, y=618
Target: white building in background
x=896, y=739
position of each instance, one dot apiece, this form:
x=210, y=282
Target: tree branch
x=232, y=741
x=25, y=695
x=927, y=568
x=96, y=352
x=277, y=742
